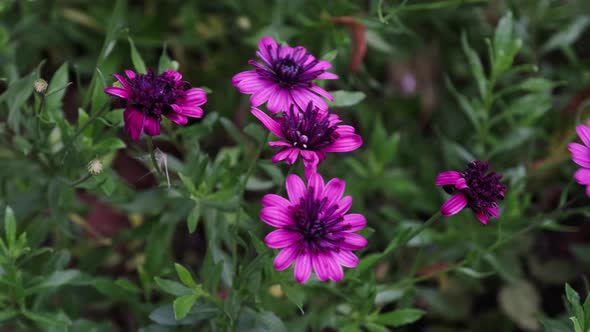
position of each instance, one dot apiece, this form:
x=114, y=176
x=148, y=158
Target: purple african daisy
x=284, y=77
x=474, y=188
x=314, y=230
x=311, y=133
x=149, y=96
x=581, y=156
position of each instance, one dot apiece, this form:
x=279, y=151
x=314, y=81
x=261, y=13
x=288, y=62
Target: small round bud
x=244, y=22
x=95, y=167
x=40, y=85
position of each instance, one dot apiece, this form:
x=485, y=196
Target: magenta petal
x=345, y=144
x=322, y=92
x=344, y=205
x=494, y=211
x=334, y=269
x=151, y=126
x=278, y=101
x=333, y=191
x=174, y=74
x=281, y=238
x=346, y=258
x=122, y=80
x=196, y=96
x=275, y=200
x=355, y=221
x=316, y=183
x=276, y=216
x=320, y=266
x=266, y=45
x=261, y=96
x=279, y=144
x=179, y=119
x=118, y=92
x=588, y=191
x=582, y=176
x=353, y=241
x=295, y=188
x=461, y=184
x=580, y=154
x=453, y=205
x=285, y=258
x=302, y=269
x=447, y=178
x=270, y=123
x=281, y=155
x=584, y=133
x=192, y=111
x=292, y=156
x=483, y=217
x=327, y=76
x=130, y=73
x=134, y=122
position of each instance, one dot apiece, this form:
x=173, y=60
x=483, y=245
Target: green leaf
x=57, y=90
x=188, y=184
x=59, y=278
x=503, y=35
x=330, y=56
x=347, y=98
x=400, y=317
x=183, y=305
x=193, y=218
x=23, y=145
x=16, y=95
x=172, y=287
x=7, y=314
x=165, y=62
x=476, y=66
x=536, y=84
x=136, y=59
x=109, y=144
x=185, y=276
x=10, y=227
x=567, y=36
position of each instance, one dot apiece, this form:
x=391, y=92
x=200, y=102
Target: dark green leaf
x=172, y=287
x=400, y=317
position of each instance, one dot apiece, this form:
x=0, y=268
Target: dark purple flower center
x=484, y=189
x=153, y=94
x=319, y=225
x=309, y=129
x=289, y=70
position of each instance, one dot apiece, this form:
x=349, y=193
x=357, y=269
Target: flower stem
x=420, y=229
x=153, y=156
x=81, y=180
x=94, y=116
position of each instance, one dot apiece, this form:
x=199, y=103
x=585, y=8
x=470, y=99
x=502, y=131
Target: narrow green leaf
x=57, y=90
x=136, y=58
x=400, y=317
x=10, y=227
x=476, y=66
x=172, y=287
x=193, y=218
x=185, y=276
x=188, y=184
x=183, y=305
x=59, y=278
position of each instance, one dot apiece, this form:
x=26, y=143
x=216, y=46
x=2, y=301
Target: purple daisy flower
x=581, y=156
x=311, y=133
x=284, y=77
x=314, y=230
x=149, y=96
x=474, y=188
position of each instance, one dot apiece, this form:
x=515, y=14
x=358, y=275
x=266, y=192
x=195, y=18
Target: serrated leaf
x=400, y=317
x=183, y=305
x=136, y=58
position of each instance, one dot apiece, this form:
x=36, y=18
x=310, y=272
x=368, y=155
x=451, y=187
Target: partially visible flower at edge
x=581, y=156
x=314, y=231
x=309, y=132
x=474, y=188
x=149, y=96
x=284, y=77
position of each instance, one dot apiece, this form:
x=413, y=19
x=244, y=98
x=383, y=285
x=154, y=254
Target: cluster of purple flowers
x=314, y=231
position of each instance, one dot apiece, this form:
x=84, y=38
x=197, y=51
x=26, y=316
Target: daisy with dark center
x=314, y=231
x=311, y=133
x=581, y=156
x=284, y=77
x=475, y=188
x=151, y=96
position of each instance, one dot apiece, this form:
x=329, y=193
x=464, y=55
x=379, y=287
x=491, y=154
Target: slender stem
x=94, y=116
x=153, y=156
x=421, y=228
x=81, y=180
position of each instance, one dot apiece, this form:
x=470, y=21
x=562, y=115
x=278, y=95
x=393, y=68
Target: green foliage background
x=504, y=81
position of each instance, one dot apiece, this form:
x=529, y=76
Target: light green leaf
x=173, y=287
x=10, y=227
x=400, y=317
x=183, y=305
x=347, y=98
x=57, y=90
x=136, y=58
x=59, y=278
x=193, y=218
x=185, y=276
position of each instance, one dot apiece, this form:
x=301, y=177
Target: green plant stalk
x=153, y=156
x=94, y=116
